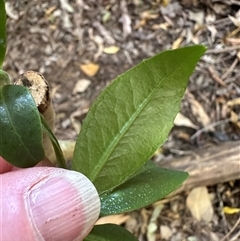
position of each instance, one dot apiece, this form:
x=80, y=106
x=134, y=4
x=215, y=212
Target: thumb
x=46, y=204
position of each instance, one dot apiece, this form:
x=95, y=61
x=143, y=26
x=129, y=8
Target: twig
x=105, y=33
x=207, y=127
x=235, y=237
x=219, y=51
x=235, y=62
x=231, y=2
x=232, y=230
x=225, y=224
x=216, y=77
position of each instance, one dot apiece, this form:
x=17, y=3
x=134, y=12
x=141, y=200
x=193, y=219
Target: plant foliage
x=20, y=125
x=132, y=117
x=125, y=125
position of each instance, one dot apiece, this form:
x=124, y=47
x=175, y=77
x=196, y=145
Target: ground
x=80, y=46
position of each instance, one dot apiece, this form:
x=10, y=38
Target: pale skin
x=45, y=204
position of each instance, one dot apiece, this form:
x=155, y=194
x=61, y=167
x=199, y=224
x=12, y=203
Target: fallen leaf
x=75, y=123
x=67, y=147
x=183, y=135
x=235, y=119
x=176, y=44
x=229, y=210
x=149, y=14
x=106, y=16
x=163, y=26
x=232, y=41
x=131, y=224
x=81, y=86
x=145, y=16
x=166, y=232
x=115, y=219
x=182, y=120
x=151, y=229
x=152, y=226
x=66, y=6
x=238, y=55
x=111, y=49
x=199, y=204
x=90, y=69
x=233, y=102
x=212, y=29
x=235, y=21
x=10, y=11
x=50, y=10
x=164, y=3
x=197, y=17
x=199, y=112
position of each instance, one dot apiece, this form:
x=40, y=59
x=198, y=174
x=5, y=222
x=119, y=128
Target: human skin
x=45, y=204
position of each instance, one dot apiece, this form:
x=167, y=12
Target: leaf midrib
x=17, y=134
x=123, y=130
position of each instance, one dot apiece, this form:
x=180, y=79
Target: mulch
x=80, y=46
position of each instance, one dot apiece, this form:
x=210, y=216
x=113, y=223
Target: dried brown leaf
x=166, y=232
x=182, y=120
x=235, y=119
x=81, y=86
x=176, y=44
x=198, y=111
x=115, y=219
x=199, y=204
x=235, y=21
x=111, y=49
x=233, y=102
x=90, y=69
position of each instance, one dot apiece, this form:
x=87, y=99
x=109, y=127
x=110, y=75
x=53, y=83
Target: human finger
x=47, y=204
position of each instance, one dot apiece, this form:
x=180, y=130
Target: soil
x=81, y=46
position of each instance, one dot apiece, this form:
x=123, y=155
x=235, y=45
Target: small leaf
x=110, y=232
x=230, y=210
x=20, y=127
x=81, y=86
x=132, y=117
x=148, y=186
x=111, y=49
x=3, y=43
x=90, y=69
x=199, y=204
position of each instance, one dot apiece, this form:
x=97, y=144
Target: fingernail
x=63, y=206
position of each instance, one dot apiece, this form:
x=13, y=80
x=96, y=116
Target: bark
x=209, y=165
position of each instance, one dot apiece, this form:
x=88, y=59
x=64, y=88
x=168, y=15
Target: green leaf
x=4, y=78
x=3, y=43
x=57, y=149
x=133, y=116
x=20, y=127
x=110, y=232
x=149, y=186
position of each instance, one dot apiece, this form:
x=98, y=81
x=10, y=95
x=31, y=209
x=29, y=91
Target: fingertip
x=63, y=206
x=47, y=203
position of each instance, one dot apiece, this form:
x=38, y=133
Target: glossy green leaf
x=133, y=116
x=4, y=78
x=151, y=185
x=20, y=127
x=110, y=232
x=3, y=43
